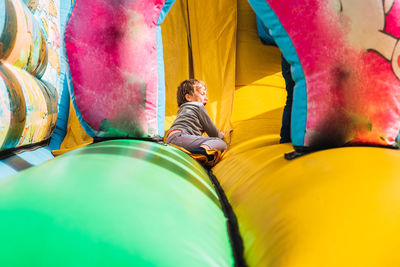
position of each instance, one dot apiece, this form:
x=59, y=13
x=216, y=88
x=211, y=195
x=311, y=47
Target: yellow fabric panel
x=253, y=100
x=255, y=61
x=209, y=36
x=259, y=131
x=175, y=32
x=76, y=137
x=213, y=38
x=338, y=207
x=260, y=88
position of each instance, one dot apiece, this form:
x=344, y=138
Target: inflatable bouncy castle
x=88, y=91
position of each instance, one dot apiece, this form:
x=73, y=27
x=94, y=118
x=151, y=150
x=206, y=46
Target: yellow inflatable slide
x=336, y=207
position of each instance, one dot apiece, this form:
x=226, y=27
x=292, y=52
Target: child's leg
x=191, y=142
x=214, y=143
x=188, y=142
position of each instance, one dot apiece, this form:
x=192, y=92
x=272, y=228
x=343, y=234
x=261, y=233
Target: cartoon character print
x=368, y=19
x=47, y=11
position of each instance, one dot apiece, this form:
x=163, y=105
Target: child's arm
x=208, y=125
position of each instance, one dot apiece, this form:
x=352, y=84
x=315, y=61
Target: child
x=192, y=120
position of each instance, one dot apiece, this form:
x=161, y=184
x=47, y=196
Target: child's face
x=199, y=95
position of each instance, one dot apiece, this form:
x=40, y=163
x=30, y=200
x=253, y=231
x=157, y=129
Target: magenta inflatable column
x=345, y=61
x=112, y=53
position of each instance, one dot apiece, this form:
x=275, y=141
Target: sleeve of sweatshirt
x=208, y=125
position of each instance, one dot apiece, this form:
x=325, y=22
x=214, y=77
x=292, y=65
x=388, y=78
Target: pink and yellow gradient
x=112, y=52
x=353, y=95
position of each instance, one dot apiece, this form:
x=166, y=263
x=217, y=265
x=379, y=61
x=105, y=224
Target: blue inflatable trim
x=161, y=71
x=299, y=109
x=161, y=84
x=64, y=98
x=161, y=78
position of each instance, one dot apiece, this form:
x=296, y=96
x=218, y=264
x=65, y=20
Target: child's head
x=192, y=91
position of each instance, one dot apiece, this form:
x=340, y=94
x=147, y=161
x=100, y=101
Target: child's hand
x=223, y=134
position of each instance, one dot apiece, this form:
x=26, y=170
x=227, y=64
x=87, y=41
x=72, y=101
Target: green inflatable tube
x=115, y=203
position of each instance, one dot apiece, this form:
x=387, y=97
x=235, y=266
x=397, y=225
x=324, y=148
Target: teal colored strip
x=161, y=70
x=161, y=84
x=64, y=97
x=164, y=11
x=2, y=18
x=299, y=109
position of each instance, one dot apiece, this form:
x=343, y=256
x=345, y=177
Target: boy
x=192, y=120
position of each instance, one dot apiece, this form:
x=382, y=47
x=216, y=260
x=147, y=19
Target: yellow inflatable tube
x=338, y=207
